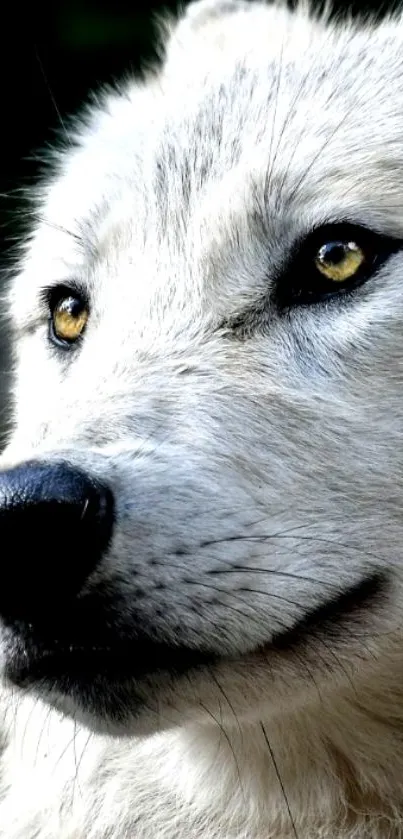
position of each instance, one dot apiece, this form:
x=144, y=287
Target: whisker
x=222, y=691
x=294, y=829
x=53, y=100
x=228, y=739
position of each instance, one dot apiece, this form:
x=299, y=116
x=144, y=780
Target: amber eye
x=69, y=316
x=333, y=260
x=339, y=261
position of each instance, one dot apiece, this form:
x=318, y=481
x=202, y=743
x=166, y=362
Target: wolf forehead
x=259, y=125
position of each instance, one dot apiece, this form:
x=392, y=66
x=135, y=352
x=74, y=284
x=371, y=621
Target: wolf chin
x=201, y=496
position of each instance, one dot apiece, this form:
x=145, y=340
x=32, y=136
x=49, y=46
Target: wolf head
x=204, y=478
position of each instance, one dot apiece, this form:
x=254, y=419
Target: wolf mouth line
x=55, y=661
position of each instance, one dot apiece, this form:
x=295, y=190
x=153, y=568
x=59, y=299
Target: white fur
x=255, y=477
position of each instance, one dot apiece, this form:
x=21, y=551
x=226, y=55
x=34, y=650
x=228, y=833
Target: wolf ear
x=202, y=27
x=202, y=12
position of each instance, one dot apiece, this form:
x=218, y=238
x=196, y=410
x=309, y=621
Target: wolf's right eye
x=333, y=260
x=69, y=315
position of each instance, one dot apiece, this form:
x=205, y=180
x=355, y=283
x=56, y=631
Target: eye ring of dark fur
x=301, y=283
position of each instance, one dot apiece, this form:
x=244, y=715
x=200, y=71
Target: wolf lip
x=35, y=658
x=32, y=661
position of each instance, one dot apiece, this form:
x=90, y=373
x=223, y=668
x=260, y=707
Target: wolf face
x=208, y=339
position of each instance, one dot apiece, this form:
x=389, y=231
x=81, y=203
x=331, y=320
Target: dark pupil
x=334, y=253
x=73, y=306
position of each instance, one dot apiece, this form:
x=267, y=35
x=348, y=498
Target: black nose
x=55, y=524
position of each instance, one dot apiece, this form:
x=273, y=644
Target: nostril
x=56, y=522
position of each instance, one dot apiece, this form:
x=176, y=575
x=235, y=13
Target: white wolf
x=201, y=503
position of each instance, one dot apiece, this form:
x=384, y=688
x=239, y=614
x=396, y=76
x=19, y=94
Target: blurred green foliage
x=80, y=27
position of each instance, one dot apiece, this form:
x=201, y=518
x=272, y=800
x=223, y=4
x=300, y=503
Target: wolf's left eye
x=68, y=318
x=333, y=259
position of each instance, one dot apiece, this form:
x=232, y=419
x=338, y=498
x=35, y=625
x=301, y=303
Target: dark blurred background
x=51, y=56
